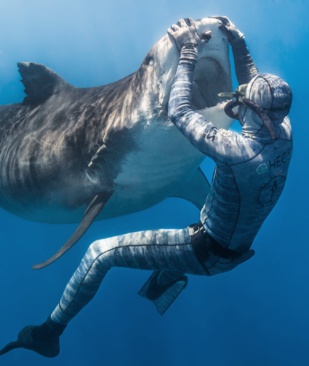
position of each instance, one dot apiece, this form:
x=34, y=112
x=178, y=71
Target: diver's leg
x=163, y=286
x=159, y=250
x=169, y=250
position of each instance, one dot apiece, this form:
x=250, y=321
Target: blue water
x=255, y=315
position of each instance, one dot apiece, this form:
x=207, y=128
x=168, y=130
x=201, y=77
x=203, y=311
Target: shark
x=74, y=155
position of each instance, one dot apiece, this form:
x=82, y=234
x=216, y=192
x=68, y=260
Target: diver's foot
x=47, y=348
x=43, y=339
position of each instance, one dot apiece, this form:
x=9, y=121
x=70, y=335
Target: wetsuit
x=251, y=167
x=250, y=174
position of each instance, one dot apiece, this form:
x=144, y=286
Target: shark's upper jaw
x=210, y=79
x=208, y=84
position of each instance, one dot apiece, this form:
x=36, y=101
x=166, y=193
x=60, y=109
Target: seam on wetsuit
x=108, y=250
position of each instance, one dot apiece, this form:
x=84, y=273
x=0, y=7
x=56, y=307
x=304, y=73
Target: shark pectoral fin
x=195, y=190
x=91, y=213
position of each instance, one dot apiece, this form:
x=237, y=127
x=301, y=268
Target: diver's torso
x=244, y=191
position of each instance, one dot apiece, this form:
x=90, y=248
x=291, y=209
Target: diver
x=251, y=170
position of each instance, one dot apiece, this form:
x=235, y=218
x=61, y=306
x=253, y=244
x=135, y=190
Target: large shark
x=72, y=154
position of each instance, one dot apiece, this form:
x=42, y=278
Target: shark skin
x=73, y=155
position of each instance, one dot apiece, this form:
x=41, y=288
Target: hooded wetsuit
x=251, y=167
x=251, y=170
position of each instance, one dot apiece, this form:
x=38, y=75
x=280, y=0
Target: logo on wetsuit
x=271, y=191
x=261, y=169
x=211, y=134
x=277, y=162
x=280, y=160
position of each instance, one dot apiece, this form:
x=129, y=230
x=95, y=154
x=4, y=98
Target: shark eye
x=149, y=61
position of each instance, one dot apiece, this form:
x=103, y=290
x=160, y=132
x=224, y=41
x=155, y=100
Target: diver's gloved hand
x=184, y=33
x=43, y=339
x=225, y=265
x=229, y=28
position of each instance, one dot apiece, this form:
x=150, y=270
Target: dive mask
x=238, y=98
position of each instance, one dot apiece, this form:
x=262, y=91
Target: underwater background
x=254, y=315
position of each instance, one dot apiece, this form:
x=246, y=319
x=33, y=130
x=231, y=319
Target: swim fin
x=43, y=339
x=163, y=295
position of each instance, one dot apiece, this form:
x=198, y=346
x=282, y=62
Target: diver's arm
x=201, y=133
x=244, y=66
x=180, y=110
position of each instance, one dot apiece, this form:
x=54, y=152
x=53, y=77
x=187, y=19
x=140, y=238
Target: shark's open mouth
x=208, y=84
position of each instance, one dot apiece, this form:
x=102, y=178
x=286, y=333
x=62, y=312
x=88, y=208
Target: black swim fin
x=43, y=339
x=163, y=295
x=91, y=213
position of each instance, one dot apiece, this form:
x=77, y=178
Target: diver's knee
x=94, y=246
x=102, y=247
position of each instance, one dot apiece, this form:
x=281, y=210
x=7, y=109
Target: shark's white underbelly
x=164, y=163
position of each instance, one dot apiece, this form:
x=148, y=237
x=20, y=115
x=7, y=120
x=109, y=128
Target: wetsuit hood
x=272, y=97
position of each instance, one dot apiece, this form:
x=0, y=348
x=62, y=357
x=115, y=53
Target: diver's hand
x=184, y=33
x=229, y=28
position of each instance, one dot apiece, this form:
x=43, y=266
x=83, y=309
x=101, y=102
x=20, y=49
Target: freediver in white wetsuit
x=251, y=170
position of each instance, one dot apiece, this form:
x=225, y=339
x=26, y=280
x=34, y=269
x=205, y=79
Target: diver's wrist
x=188, y=53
